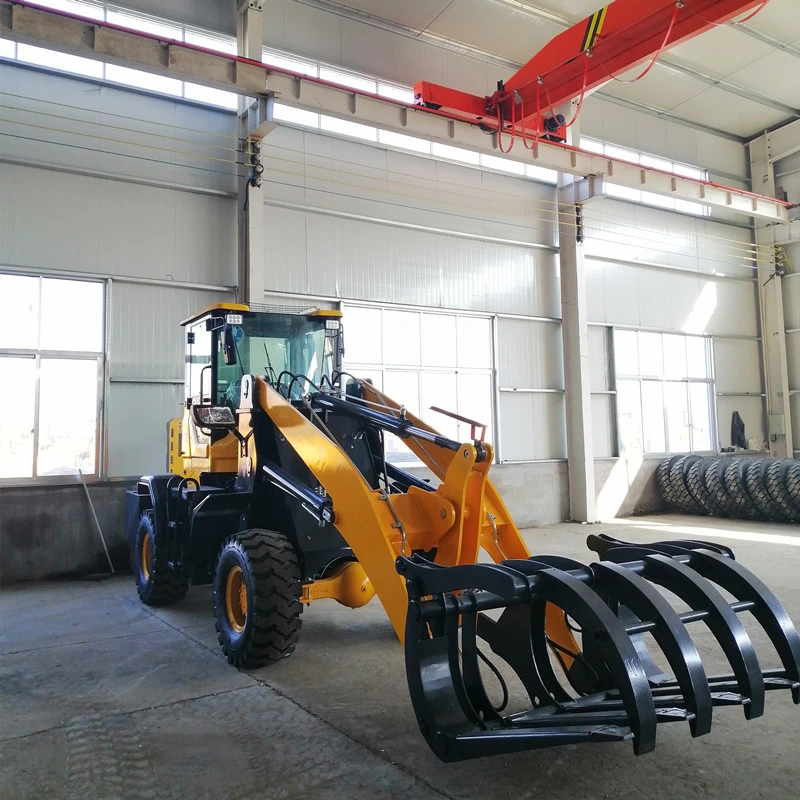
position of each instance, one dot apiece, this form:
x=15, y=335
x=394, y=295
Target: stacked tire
x=747, y=487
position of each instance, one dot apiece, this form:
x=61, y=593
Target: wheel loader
x=279, y=493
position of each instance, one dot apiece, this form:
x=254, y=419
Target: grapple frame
x=616, y=690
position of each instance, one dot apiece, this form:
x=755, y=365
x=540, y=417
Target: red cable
x=660, y=52
x=500, y=128
x=737, y=22
x=538, y=118
x=754, y=14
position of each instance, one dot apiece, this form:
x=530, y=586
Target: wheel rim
x=145, y=552
x=236, y=599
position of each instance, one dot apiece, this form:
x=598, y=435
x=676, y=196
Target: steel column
x=252, y=269
x=770, y=292
x=575, y=337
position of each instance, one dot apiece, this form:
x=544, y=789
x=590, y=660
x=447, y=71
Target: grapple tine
x=670, y=633
x=473, y=683
x=595, y=617
x=454, y=661
x=518, y=637
x=767, y=609
x=727, y=628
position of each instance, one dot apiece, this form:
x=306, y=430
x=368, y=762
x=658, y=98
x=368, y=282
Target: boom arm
x=461, y=516
x=611, y=41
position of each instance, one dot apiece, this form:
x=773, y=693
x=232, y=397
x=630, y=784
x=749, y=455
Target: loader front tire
x=257, y=588
x=156, y=583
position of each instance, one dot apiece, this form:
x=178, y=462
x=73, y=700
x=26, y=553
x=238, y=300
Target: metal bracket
x=581, y=190
x=260, y=117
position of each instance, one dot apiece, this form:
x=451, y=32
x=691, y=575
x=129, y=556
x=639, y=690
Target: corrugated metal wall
x=697, y=277
x=143, y=215
x=353, y=221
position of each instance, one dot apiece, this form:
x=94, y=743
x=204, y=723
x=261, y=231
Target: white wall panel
x=533, y=426
x=791, y=302
x=137, y=419
x=599, y=359
x=360, y=260
x=145, y=336
x=110, y=227
x=737, y=366
x=634, y=232
x=308, y=168
x=71, y=123
x=796, y=420
x=624, y=294
x=793, y=359
x=530, y=355
x=602, y=428
x=608, y=121
x=146, y=342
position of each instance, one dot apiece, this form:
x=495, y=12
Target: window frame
x=492, y=425
x=38, y=354
x=664, y=380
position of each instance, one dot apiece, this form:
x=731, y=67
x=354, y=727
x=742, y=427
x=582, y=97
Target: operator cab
x=297, y=352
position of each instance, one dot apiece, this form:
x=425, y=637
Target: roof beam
x=767, y=38
x=101, y=41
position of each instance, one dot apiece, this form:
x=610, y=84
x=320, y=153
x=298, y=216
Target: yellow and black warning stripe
x=593, y=28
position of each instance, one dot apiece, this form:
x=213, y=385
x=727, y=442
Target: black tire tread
x=275, y=574
x=775, y=484
x=716, y=488
x=663, y=481
x=734, y=478
x=165, y=587
x=755, y=481
x=792, y=482
x=683, y=499
x=696, y=486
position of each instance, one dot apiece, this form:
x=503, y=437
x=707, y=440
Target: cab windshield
x=269, y=345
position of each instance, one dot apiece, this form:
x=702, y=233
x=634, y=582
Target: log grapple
x=608, y=688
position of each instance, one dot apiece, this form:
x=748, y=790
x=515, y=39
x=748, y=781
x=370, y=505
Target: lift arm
x=611, y=41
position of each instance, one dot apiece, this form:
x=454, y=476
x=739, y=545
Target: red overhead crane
x=613, y=40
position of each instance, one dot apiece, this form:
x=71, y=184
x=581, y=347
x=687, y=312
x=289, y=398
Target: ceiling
x=735, y=79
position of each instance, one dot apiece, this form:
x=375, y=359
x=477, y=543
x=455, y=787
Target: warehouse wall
x=102, y=182
x=152, y=204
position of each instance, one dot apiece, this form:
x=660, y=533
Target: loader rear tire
x=257, y=588
x=156, y=583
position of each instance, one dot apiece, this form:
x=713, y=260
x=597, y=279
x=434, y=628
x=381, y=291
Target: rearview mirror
x=228, y=345
x=213, y=417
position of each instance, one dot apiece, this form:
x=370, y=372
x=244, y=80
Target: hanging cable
x=754, y=14
x=537, y=133
x=678, y=6
x=580, y=99
x=750, y=16
x=500, y=127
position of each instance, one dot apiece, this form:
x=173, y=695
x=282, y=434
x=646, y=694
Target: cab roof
x=240, y=307
x=216, y=307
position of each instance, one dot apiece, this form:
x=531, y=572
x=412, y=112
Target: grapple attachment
x=609, y=687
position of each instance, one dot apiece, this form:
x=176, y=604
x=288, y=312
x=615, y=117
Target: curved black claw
x=611, y=604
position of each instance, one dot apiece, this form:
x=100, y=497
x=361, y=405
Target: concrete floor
x=101, y=697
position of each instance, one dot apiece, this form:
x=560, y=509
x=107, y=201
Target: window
x=664, y=392
x=51, y=362
x=421, y=360
x=651, y=162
